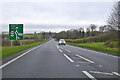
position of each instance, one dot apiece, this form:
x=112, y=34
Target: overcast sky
x=54, y=16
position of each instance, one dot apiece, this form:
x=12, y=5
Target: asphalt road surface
x=51, y=60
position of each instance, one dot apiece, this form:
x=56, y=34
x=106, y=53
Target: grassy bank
x=8, y=51
x=96, y=46
x=32, y=35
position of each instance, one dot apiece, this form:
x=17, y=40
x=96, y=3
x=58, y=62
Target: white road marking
x=68, y=51
x=77, y=65
x=101, y=72
x=2, y=66
x=116, y=73
x=83, y=62
x=99, y=66
x=59, y=48
x=89, y=75
x=68, y=58
x=85, y=58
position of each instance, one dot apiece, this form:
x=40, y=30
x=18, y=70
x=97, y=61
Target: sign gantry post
x=15, y=32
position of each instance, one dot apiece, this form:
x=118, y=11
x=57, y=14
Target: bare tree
x=87, y=32
x=101, y=29
x=93, y=28
x=80, y=32
x=114, y=18
x=83, y=33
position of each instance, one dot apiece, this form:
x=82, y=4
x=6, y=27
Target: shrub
x=111, y=43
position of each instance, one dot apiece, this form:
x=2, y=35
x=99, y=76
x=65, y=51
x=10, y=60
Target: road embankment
x=9, y=51
x=96, y=46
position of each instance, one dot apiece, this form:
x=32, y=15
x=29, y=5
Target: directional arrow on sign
x=16, y=32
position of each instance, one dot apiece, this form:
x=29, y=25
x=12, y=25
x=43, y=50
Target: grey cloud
x=62, y=12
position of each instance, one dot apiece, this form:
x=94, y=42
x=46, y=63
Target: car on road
x=62, y=42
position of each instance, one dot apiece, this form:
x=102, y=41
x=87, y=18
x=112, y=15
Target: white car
x=61, y=42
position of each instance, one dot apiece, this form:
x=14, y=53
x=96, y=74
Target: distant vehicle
x=61, y=42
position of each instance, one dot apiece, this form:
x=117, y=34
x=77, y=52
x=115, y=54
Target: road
x=51, y=60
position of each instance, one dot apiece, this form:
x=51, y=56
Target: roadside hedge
x=101, y=38
x=112, y=43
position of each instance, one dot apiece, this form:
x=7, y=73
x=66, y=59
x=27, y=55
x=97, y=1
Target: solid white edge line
x=116, y=73
x=89, y=75
x=2, y=66
x=68, y=58
x=85, y=58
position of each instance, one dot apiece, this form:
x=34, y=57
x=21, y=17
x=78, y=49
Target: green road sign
x=15, y=31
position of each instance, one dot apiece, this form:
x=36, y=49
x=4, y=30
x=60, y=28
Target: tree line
x=83, y=32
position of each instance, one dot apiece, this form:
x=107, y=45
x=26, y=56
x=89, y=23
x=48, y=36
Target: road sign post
x=11, y=43
x=15, y=32
x=21, y=42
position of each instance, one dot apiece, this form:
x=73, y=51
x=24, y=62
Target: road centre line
x=59, y=48
x=68, y=58
x=89, y=75
x=116, y=73
x=2, y=66
x=85, y=58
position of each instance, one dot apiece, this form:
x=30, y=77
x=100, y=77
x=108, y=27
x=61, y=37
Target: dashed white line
x=68, y=51
x=2, y=66
x=89, y=75
x=59, y=48
x=68, y=58
x=116, y=73
x=85, y=58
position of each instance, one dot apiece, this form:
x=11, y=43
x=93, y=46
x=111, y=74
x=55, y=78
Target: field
x=96, y=46
x=8, y=51
x=32, y=35
x=28, y=39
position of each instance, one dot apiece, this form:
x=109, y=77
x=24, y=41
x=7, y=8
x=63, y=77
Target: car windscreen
x=62, y=40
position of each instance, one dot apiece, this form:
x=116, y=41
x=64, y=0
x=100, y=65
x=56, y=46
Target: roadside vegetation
x=32, y=36
x=29, y=41
x=96, y=46
x=8, y=51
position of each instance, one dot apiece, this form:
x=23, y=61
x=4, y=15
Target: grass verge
x=8, y=51
x=96, y=46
